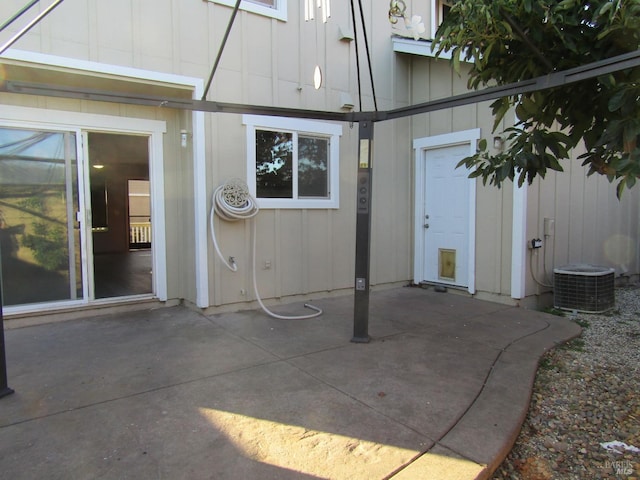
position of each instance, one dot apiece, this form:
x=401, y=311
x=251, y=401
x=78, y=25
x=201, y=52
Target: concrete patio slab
x=439, y=393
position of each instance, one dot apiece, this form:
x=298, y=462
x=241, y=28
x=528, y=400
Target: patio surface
x=440, y=392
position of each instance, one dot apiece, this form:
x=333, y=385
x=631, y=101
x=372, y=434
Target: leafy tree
x=514, y=40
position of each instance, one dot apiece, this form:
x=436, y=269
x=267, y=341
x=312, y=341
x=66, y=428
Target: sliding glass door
x=40, y=237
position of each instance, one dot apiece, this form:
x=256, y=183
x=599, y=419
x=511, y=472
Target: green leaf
x=616, y=101
x=500, y=112
x=631, y=181
x=605, y=8
x=521, y=112
x=529, y=105
x=554, y=164
x=456, y=60
x=598, y=113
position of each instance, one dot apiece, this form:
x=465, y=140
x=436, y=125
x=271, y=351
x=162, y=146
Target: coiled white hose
x=232, y=201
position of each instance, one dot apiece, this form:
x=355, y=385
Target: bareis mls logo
x=621, y=467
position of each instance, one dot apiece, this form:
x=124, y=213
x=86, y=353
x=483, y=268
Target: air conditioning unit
x=584, y=288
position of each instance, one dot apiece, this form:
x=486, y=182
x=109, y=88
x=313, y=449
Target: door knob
x=426, y=225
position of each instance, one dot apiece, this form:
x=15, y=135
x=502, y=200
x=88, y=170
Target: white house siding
x=178, y=176
x=591, y=224
x=270, y=62
x=311, y=251
x=178, y=181
x=433, y=79
x=265, y=62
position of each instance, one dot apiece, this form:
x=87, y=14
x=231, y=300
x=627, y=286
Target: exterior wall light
x=397, y=11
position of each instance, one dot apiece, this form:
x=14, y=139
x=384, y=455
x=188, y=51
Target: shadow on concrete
x=440, y=392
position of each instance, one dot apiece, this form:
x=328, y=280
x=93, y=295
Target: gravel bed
x=586, y=395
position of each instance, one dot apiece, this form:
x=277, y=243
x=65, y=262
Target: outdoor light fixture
x=498, y=143
x=398, y=10
x=324, y=5
x=184, y=136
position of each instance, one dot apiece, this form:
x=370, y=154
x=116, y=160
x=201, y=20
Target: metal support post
x=363, y=234
x=4, y=388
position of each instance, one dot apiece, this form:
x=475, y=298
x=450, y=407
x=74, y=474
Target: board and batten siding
x=434, y=79
x=266, y=62
x=591, y=225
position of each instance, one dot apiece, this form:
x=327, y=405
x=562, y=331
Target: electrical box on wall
x=549, y=227
x=536, y=243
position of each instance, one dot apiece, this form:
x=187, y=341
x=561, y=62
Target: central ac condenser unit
x=584, y=288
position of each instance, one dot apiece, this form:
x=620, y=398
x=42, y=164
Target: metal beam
x=221, y=49
x=556, y=79
x=4, y=387
x=18, y=14
x=167, y=102
x=30, y=25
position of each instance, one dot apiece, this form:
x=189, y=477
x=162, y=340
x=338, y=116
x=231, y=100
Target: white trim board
x=103, y=68
x=421, y=48
x=519, y=241
x=279, y=12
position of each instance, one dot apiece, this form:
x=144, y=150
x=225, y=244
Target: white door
x=445, y=211
x=446, y=216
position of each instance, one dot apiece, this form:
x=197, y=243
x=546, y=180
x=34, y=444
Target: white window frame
x=436, y=14
x=331, y=131
x=279, y=12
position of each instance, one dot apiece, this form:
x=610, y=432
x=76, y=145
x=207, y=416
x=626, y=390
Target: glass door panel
x=39, y=235
x=121, y=214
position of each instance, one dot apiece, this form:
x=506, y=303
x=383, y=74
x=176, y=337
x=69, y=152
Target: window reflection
x=313, y=162
x=39, y=246
x=274, y=164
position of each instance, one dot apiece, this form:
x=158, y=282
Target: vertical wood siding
x=270, y=62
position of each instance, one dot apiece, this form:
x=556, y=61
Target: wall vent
x=584, y=288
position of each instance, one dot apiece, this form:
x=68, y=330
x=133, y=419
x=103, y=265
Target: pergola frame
x=365, y=120
x=555, y=79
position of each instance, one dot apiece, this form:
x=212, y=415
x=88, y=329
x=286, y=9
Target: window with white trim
x=439, y=10
x=293, y=163
x=269, y=8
